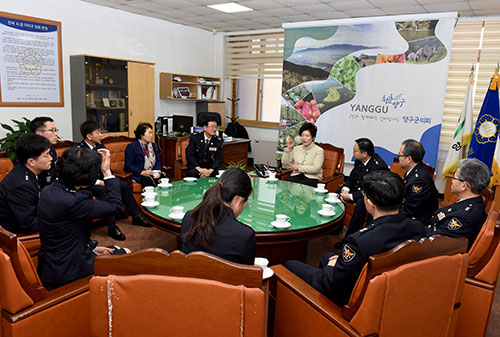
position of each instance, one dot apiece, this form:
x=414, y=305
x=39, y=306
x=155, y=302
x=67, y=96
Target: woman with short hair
x=212, y=226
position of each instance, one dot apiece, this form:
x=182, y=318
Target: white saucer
x=268, y=272
x=153, y=193
x=320, y=191
x=176, y=217
x=272, y=179
x=165, y=186
x=320, y=212
x=333, y=201
x=190, y=179
x=150, y=205
x=275, y=224
x=217, y=176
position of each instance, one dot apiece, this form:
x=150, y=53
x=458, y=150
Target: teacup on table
x=282, y=219
x=149, y=198
x=334, y=197
x=148, y=190
x=321, y=186
x=220, y=172
x=177, y=210
x=327, y=208
x=164, y=181
x=271, y=175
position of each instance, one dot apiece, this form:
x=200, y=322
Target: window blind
x=254, y=55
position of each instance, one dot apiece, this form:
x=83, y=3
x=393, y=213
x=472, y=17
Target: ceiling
x=268, y=14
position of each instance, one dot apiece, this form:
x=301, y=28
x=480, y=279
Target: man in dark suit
x=92, y=136
x=366, y=161
x=44, y=126
x=204, y=152
x=421, y=199
x=465, y=217
x=337, y=275
x=19, y=190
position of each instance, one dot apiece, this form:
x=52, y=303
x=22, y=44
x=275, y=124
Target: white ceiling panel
x=281, y=11
x=404, y=10
x=444, y=7
x=260, y=4
x=356, y=4
x=312, y=9
x=356, y=13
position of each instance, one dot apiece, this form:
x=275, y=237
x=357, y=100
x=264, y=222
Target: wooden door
x=141, y=85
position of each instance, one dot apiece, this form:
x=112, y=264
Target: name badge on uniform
x=212, y=149
x=441, y=216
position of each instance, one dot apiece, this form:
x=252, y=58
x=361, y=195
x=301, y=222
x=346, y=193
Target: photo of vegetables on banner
x=367, y=78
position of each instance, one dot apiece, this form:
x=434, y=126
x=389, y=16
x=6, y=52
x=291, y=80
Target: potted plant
x=8, y=143
x=241, y=165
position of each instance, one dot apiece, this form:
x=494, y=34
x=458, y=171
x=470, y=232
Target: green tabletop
x=298, y=201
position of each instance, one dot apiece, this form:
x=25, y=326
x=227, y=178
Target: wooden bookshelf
x=199, y=88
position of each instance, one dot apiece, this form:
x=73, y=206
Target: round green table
x=299, y=202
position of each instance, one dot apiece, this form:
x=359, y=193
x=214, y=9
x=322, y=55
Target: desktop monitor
x=182, y=123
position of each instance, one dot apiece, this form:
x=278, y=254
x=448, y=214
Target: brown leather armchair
x=481, y=281
x=180, y=168
x=333, y=166
x=150, y=292
x=5, y=165
x=28, y=310
x=412, y=290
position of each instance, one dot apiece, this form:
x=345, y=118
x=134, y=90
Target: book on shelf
x=214, y=93
x=209, y=93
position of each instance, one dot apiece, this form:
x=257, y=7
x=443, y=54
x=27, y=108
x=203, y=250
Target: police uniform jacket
x=355, y=180
x=461, y=219
x=19, y=193
x=381, y=235
x=421, y=196
x=97, y=146
x=47, y=177
x=233, y=240
x=207, y=156
x=65, y=216
x=134, y=159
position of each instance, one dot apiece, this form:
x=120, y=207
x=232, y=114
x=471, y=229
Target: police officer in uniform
x=366, y=161
x=337, y=275
x=19, y=190
x=465, y=217
x=204, y=152
x=44, y=126
x=421, y=199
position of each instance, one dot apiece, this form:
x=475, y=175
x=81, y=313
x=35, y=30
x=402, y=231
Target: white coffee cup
x=321, y=186
x=149, y=198
x=177, y=210
x=327, y=208
x=156, y=173
x=282, y=218
x=261, y=262
x=333, y=196
x=271, y=175
x=148, y=189
x=220, y=172
x=164, y=181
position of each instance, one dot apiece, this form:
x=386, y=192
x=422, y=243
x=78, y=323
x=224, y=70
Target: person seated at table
x=92, y=136
x=141, y=157
x=212, y=226
x=306, y=160
x=20, y=190
x=337, y=275
x=421, y=198
x=365, y=161
x=465, y=217
x=204, y=152
x=65, y=213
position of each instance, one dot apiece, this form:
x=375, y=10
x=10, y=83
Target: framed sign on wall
x=30, y=61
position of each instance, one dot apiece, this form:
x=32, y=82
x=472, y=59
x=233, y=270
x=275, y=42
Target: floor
x=140, y=238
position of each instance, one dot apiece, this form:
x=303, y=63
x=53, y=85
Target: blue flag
x=485, y=135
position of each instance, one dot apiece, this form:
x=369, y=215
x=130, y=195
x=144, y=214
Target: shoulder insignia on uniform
x=441, y=216
x=454, y=224
x=363, y=230
x=449, y=210
x=416, y=189
x=348, y=254
x=467, y=208
x=416, y=175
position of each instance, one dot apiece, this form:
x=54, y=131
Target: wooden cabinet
x=115, y=93
x=189, y=87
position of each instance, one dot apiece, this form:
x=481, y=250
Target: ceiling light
x=230, y=7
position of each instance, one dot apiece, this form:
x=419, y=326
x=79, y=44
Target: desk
x=298, y=201
x=232, y=151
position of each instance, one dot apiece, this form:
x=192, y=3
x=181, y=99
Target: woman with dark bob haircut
x=306, y=160
x=141, y=157
x=65, y=213
x=212, y=226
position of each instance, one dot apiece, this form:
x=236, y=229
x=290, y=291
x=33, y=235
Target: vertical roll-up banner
x=383, y=78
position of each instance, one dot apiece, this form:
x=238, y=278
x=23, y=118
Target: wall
x=102, y=31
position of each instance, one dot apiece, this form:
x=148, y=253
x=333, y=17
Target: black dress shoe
x=140, y=221
x=116, y=233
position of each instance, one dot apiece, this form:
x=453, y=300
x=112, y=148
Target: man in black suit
x=366, y=161
x=92, y=136
x=204, y=152
x=421, y=199
x=19, y=190
x=337, y=275
x=465, y=217
x=44, y=126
